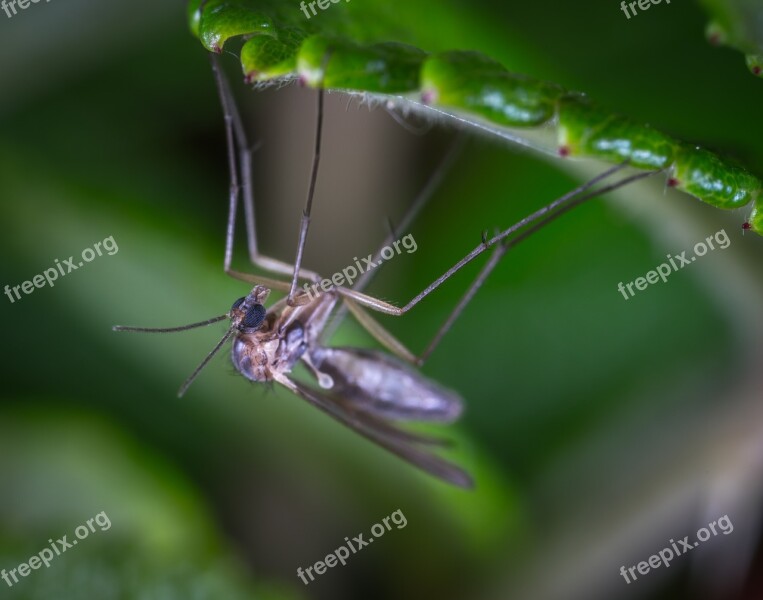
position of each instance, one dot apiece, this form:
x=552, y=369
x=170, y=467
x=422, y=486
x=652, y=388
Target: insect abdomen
x=380, y=384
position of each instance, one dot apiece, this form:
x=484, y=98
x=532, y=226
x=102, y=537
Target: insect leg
x=273, y=284
x=380, y=333
x=552, y=211
x=423, y=197
x=238, y=146
x=430, y=187
x=573, y=199
x=355, y=301
x=493, y=261
x=305, y=220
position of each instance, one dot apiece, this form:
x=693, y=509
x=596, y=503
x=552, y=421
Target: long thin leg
x=305, y=221
x=236, y=141
x=495, y=258
x=421, y=200
x=380, y=333
x=418, y=204
x=269, y=282
x=235, y=128
x=499, y=252
x=391, y=309
x=233, y=173
x=537, y=221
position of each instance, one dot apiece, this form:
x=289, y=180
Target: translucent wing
x=382, y=385
x=399, y=442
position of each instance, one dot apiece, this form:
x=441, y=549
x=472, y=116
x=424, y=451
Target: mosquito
x=369, y=391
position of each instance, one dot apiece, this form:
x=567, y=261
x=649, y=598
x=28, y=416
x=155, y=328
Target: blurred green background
x=597, y=428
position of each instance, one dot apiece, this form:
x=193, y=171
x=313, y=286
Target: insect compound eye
x=237, y=303
x=254, y=317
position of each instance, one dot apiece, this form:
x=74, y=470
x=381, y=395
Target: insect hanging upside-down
x=367, y=390
x=268, y=345
x=361, y=388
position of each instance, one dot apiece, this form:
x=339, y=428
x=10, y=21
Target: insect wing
x=399, y=442
x=380, y=384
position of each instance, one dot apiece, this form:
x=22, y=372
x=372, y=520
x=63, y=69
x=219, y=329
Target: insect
x=474, y=89
x=366, y=390
x=363, y=389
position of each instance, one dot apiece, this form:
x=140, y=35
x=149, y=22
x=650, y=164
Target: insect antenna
x=187, y=383
x=192, y=376
x=171, y=329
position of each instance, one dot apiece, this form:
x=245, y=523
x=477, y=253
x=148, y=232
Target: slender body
x=363, y=389
x=373, y=382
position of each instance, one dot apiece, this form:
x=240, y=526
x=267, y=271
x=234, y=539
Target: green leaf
x=386, y=68
x=347, y=56
x=470, y=80
x=739, y=24
x=152, y=534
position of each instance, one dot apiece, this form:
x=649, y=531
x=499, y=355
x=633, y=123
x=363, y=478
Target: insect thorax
x=258, y=355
